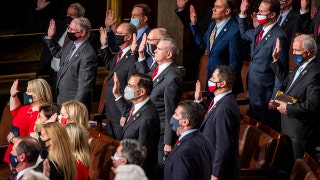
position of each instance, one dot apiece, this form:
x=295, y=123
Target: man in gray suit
x=123, y=63
x=166, y=93
x=142, y=119
x=78, y=64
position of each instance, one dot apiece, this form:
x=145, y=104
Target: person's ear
x=228, y=11
x=223, y=84
x=124, y=161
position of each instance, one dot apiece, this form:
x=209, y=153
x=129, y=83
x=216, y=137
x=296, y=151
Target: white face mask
x=262, y=18
x=129, y=93
x=135, y=22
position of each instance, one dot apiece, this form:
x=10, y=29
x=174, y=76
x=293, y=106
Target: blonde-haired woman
x=74, y=111
x=55, y=139
x=79, y=144
x=25, y=115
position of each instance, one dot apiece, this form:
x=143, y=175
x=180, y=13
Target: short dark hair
x=146, y=10
x=193, y=111
x=145, y=82
x=30, y=147
x=49, y=109
x=274, y=6
x=226, y=73
x=230, y=5
x=131, y=28
x=133, y=151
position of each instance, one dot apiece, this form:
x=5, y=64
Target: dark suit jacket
x=143, y=126
x=55, y=171
x=190, y=159
x=316, y=22
x=166, y=94
x=302, y=118
x=77, y=79
x=124, y=69
x=221, y=129
x=261, y=80
x=291, y=25
x=225, y=49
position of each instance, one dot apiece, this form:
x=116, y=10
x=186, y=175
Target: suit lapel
x=160, y=77
x=223, y=31
x=263, y=41
x=120, y=63
x=210, y=28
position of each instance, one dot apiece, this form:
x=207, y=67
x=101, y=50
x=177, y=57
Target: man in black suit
x=221, y=124
x=300, y=120
x=78, y=65
x=49, y=65
x=190, y=158
x=167, y=91
x=23, y=156
x=123, y=63
x=142, y=119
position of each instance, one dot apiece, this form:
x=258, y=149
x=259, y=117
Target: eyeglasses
x=122, y=34
x=73, y=30
x=152, y=39
x=116, y=157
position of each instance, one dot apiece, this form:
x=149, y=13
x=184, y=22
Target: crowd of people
x=162, y=136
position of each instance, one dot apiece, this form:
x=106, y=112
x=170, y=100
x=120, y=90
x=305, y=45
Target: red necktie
x=211, y=104
x=155, y=72
x=130, y=114
x=319, y=29
x=118, y=58
x=177, y=142
x=259, y=37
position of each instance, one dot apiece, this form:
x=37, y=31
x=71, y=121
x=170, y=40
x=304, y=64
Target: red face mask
x=212, y=86
x=262, y=19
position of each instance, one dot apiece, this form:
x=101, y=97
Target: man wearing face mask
x=23, y=156
x=49, y=65
x=149, y=44
x=261, y=80
x=190, y=158
x=141, y=120
x=140, y=15
x=78, y=65
x=300, y=121
x=221, y=124
x=123, y=63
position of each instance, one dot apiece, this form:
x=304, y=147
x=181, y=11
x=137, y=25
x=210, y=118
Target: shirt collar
x=220, y=96
x=307, y=62
x=21, y=173
x=139, y=105
x=125, y=50
x=162, y=68
x=267, y=29
x=186, y=133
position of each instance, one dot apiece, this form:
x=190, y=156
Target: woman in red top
x=24, y=116
x=80, y=147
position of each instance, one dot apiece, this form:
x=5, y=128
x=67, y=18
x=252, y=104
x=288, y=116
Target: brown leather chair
x=302, y=171
x=313, y=164
x=258, y=147
x=102, y=148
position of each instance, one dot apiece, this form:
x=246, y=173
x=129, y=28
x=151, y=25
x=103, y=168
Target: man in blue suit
x=221, y=124
x=261, y=80
x=222, y=40
x=190, y=158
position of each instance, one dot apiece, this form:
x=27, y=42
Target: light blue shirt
x=186, y=133
x=284, y=16
x=220, y=26
x=77, y=46
x=140, y=32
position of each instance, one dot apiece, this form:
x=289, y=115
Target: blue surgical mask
x=174, y=123
x=13, y=160
x=27, y=99
x=135, y=22
x=129, y=93
x=298, y=58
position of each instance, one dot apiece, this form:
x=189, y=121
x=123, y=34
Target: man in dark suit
x=166, y=93
x=221, y=40
x=140, y=15
x=261, y=80
x=190, y=158
x=49, y=65
x=78, y=65
x=23, y=156
x=288, y=20
x=123, y=63
x=221, y=124
x=300, y=121
x=142, y=119
x=149, y=44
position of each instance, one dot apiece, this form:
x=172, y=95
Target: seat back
x=313, y=164
x=102, y=148
x=202, y=71
x=301, y=170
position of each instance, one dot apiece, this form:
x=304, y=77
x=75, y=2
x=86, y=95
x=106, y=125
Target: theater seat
x=302, y=171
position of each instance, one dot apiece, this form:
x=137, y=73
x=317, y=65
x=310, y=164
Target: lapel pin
x=225, y=29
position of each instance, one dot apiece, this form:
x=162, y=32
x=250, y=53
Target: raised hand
x=41, y=4
x=14, y=88
x=51, y=29
x=181, y=4
x=276, y=51
x=254, y=19
x=134, y=44
x=110, y=19
x=244, y=7
x=143, y=45
x=116, y=86
x=103, y=36
x=193, y=15
x=198, y=93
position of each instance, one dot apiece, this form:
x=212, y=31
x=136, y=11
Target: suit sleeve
x=87, y=76
x=112, y=41
x=123, y=106
x=184, y=17
x=200, y=37
x=54, y=47
x=107, y=57
x=246, y=33
x=182, y=168
x=172, y=96
x=235, y=53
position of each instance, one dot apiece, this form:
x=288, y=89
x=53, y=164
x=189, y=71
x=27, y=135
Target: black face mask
x=68, y=20
x=72, y=36
x=119, y=39
x=44, y=152
x=150, y=49
x=27, y=99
